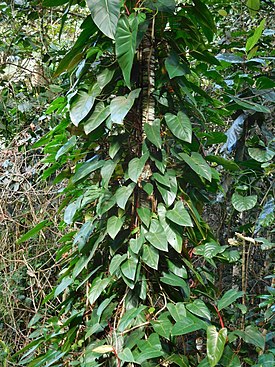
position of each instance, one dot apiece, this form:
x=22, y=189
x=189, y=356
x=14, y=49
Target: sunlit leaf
x=215, y=344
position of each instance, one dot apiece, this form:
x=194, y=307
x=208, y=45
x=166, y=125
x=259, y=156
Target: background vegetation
x=137, y=183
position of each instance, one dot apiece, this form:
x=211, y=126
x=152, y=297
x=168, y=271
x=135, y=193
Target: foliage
x=142, y=147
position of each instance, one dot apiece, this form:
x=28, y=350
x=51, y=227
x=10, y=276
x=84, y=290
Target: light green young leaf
x=179, y=215
x=105, y=14
x=229, y=297
x=152, y=132
x=97, y=117
x=242, y=203
x=198, y=164
x=251, y=42
x=180, y=126
x=114, y=225
x=126, y=39
x=215, y=344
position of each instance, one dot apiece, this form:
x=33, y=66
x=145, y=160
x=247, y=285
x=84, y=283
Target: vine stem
x=219, y=315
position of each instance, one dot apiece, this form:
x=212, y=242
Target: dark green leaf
x=83, y=235
x=199, y=308
x=163, y=327
x=126, y=356
x=188, y=324
x=248, y=105
x=86, y=169
x=180, y=126
x=152, y=132
x=198, y=164
x=229, y=297
x=81, y=106
x=107, y=171
x=208, y=250
x=99, y=115
x=136, y=166
x=65, y=283
x=179, y=215
x=97, y=287
x=66, y=147
x=226, y=163
x=261, y=154
x=129, y=317
x=136, y=244
x=123, y=193
x=150, y=256
x=177, y=311
x=129, y=267
x=54, y=2
x=145, y=215
x=34, y=231
x=252, y=335
x=158, y=240
x=126, y=37
x=174, y=67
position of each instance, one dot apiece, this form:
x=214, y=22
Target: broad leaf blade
x=215, y=344
x=229, y=297
x=105, y=14
x=242, y=203
x=126, y=39
x=180, y=126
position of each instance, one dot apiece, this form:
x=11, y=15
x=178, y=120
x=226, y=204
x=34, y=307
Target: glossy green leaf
x=136, y=166
x=129, y=267
x=32, y=232
x=105, y=77
x=129, y=317
x=123, y=193
x=97, y=287
x=174, y=67
x=99, y=115
x=228, y=298
x=66, y=147
x=179, y=215
x=198, y=164
x=242, y=203
x=261, y=154
x=126, y=39
x=251, y=42
x=177, y=310
x=126, y=356
x=174, y=238
x=199, y=308
x=152, y=132
x=150, y=256
x=173, y=280
x=163, y=327
x=121, y=105
x=105, y=14
x=158, y=240
x=252, y=336
x=188, y=324
x=215, y=344
x=169, y=195
x=83, y=235
x=253, y=6
x=248, y=105
x=86, y=169
x=208, y=250
x=106, y=172
x=81, y=105
x=180, y=126
x=136, y=243
x=115, y=263
x=114, y=225
x=145, y=215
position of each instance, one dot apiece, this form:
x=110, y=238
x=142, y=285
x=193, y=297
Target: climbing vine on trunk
x=138, y=285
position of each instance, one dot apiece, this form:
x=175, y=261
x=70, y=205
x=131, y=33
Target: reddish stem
x=220, y=317
x=127, y=10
